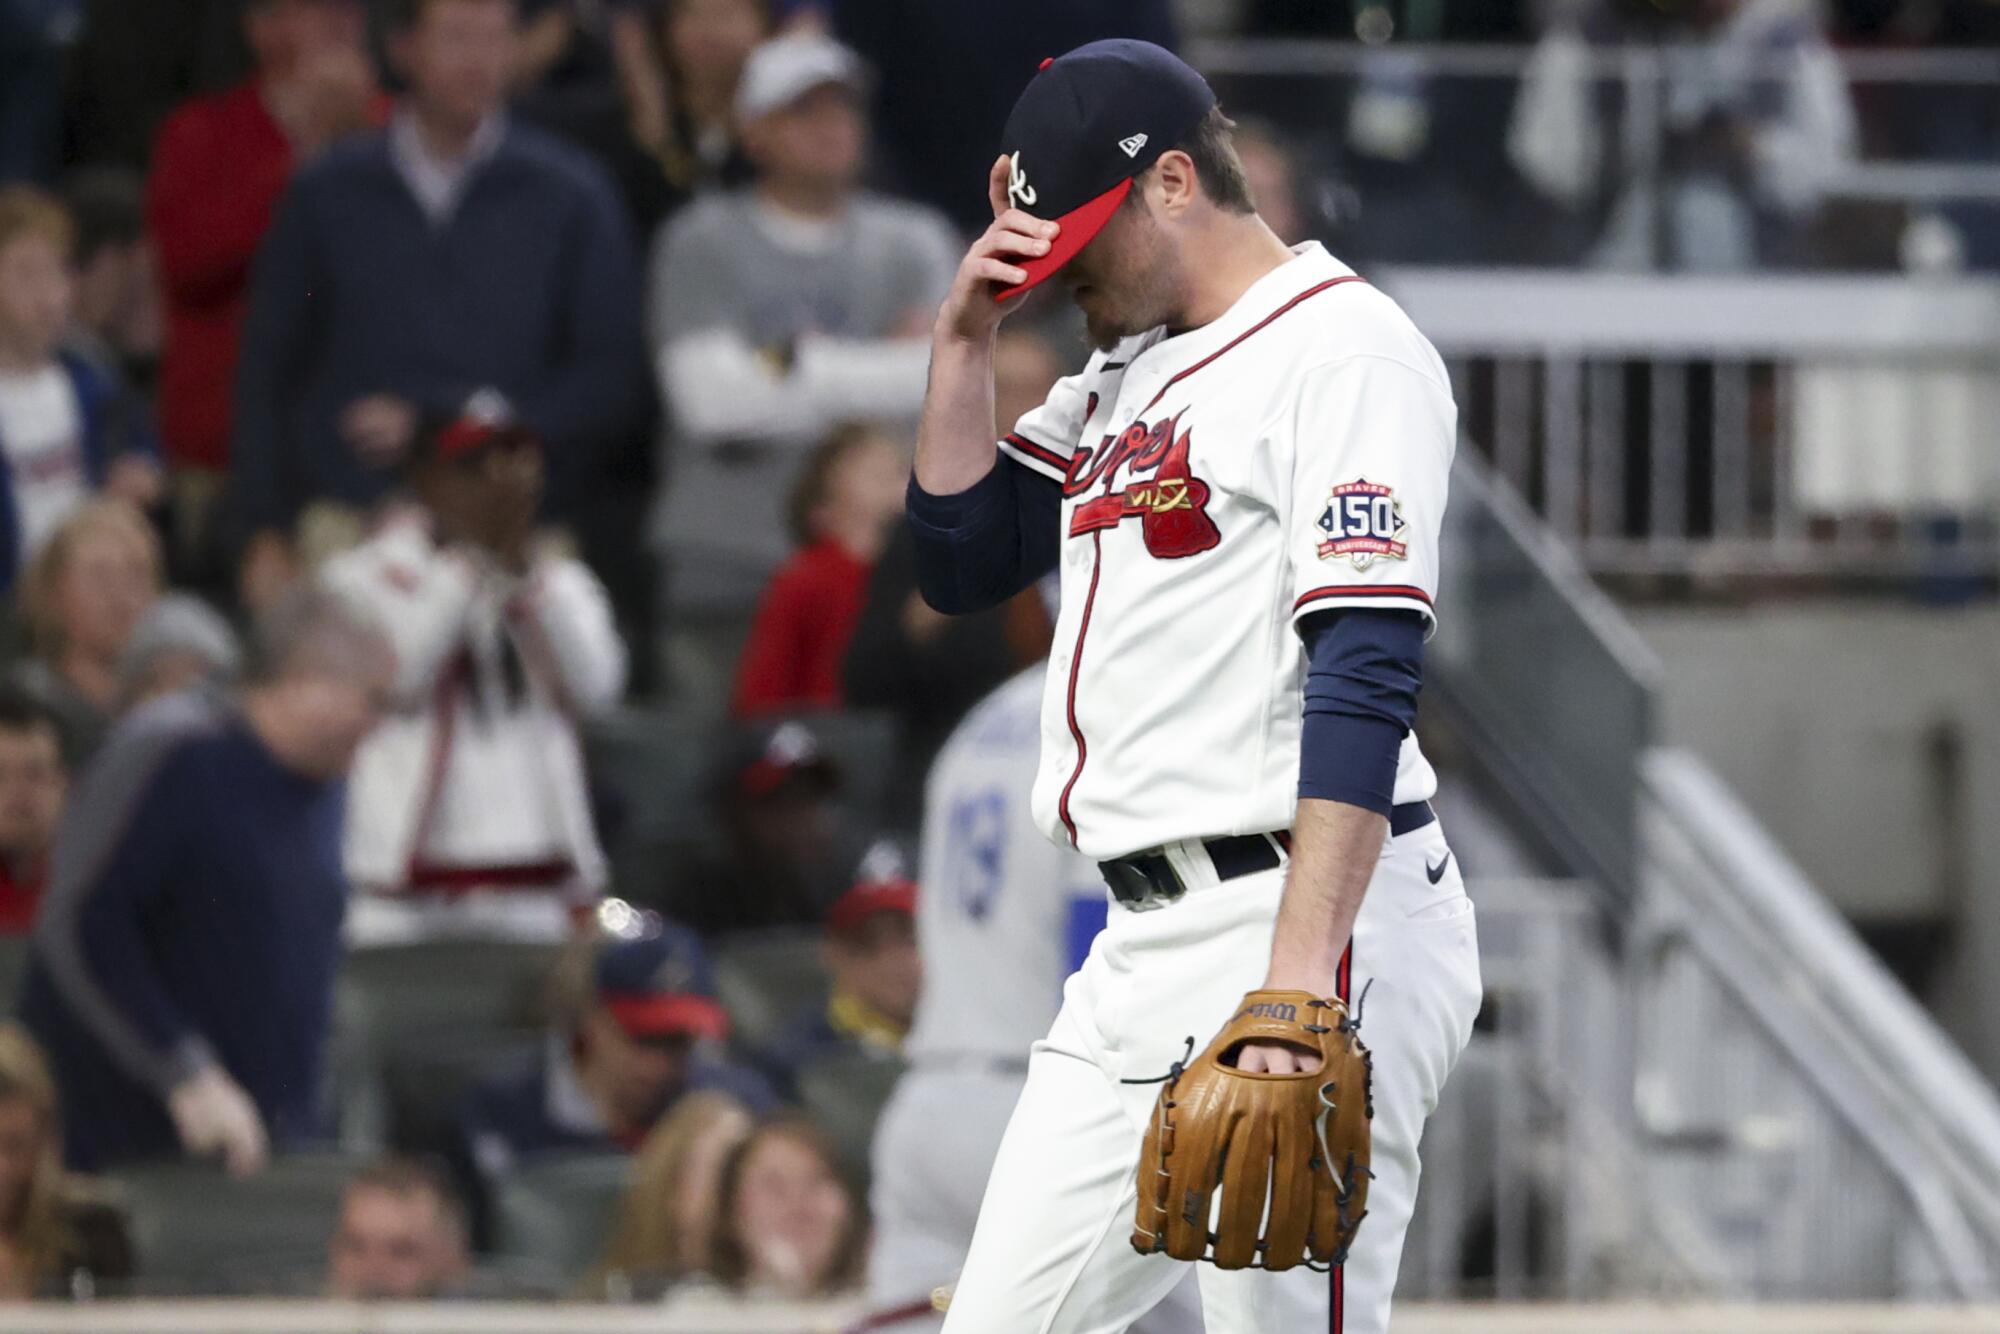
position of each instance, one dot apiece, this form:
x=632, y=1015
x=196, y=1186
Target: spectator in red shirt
x=847, y=497
x=219, y=166
x=33, y=783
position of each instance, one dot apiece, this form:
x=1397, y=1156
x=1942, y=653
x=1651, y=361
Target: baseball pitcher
x=1242, y=493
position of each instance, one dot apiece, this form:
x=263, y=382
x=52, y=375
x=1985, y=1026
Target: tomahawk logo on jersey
x=1288, y=458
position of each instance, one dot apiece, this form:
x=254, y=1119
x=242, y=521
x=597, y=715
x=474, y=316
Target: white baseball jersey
x=1218, y=485
x=1005, y=916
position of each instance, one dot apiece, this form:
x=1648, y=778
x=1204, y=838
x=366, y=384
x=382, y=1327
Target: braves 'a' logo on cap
x=1019, y=193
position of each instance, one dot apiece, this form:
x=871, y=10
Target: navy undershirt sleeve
x=1363, y=673
x=980, y=547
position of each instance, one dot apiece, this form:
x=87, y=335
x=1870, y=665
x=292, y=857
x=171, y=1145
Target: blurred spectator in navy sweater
x=408, y=268
x=220, y=164
x=183, y=964
x=639, y=1028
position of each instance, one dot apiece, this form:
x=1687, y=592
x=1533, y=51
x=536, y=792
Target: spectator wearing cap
x=775, y=801
x=34, y=781
x=180, y=642
x=781, y=310
x=181, y=978
x=646, y=1031
x=469, y=812
x=220, y=163
x=870, y=951
x=842, y=509
x=410, y=267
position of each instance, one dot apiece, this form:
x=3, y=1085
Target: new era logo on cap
x=1089, y=122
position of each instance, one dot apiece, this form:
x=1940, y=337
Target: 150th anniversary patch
x=1363, y=521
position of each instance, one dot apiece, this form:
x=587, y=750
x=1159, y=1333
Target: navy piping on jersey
x=1097, y=545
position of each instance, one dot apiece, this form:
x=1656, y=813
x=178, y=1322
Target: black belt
x=1149, y=880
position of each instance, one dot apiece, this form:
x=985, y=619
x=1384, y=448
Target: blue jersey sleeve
x=980, y=547
x=1364, y=671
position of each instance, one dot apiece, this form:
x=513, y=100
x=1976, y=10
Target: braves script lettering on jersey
x=1218, y=485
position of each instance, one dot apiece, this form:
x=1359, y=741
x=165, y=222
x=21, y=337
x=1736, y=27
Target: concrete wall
x=1867, y=737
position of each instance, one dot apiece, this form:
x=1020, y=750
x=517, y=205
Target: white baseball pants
x=934, y=1146
x=1052, y=1251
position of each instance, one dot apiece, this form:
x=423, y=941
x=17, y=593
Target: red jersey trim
x=1097, y=538
x=1333, y=591
x=1040, y=453
x=1075, y=667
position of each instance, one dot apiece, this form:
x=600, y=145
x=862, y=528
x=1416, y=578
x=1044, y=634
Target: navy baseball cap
x=659, y=985
x=1085, y=125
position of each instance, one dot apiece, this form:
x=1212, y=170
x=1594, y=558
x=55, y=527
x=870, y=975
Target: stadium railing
x=1691, y=1077
x=1728, y=427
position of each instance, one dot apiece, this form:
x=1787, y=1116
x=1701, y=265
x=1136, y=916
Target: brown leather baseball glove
x=1260, y=1170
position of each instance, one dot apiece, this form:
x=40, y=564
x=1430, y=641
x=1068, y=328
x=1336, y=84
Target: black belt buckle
x=1143, y=883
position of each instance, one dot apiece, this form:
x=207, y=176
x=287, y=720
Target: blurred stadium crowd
x=578, y=344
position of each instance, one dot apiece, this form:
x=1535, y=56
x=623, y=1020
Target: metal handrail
x=1862, y=1042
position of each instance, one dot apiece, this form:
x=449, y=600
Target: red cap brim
x=1076, y=230
x=463, y=436
x=643, y=1015
x=863, y=901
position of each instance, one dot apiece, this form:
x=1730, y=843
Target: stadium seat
x=845, y=1093
x=649, y=765
x=415, y=1023
x=198, y=1232
x=554, y=1213
x=765, y=980
x=862, y=742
